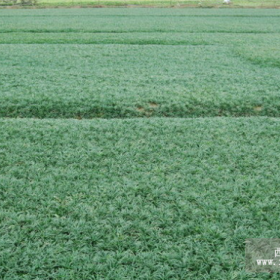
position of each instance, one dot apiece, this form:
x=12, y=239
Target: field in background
x=120, y=63
x=151, y=3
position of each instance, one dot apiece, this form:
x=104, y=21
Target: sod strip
x=136, y=199
x=140, y=20
x=123, y=81
x=141, y=12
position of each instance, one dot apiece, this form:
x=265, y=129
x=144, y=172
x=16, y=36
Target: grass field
x=138, y=62
x=137, y=143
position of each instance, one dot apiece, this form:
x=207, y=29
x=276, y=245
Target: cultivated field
x=137, y=143
x=131, y=63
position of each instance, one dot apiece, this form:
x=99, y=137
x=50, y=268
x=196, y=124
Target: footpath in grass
x=123, y=63
x=136, y=199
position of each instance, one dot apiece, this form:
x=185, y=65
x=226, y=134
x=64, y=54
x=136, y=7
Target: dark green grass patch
x=133, y=81
x=136, y=199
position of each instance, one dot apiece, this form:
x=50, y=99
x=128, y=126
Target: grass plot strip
x=123, y=81
x=127, y=199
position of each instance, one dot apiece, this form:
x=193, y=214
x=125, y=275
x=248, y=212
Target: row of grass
x=118, y=81
x=257, y=48
x=142, y=12
x=140, y=20
x=136, y=199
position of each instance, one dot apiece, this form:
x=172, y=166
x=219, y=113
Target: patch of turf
x=136, y=199
x=118, y=80
x=265, y=54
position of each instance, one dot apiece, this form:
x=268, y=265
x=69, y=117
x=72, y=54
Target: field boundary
x=128, y=5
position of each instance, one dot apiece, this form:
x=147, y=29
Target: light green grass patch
x=139, y=63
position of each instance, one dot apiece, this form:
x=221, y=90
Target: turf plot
x=157, y=198
x=136, y=199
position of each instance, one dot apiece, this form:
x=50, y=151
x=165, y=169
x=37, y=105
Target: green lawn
x=118, y=63
x=136, y=199
x=137, y=143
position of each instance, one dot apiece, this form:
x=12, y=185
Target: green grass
x=160, y=189
x=122, y=63
x=136, y=199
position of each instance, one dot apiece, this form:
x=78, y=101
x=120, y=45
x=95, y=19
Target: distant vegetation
x=156, y=3
x=19, y=2
x=121, y=63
